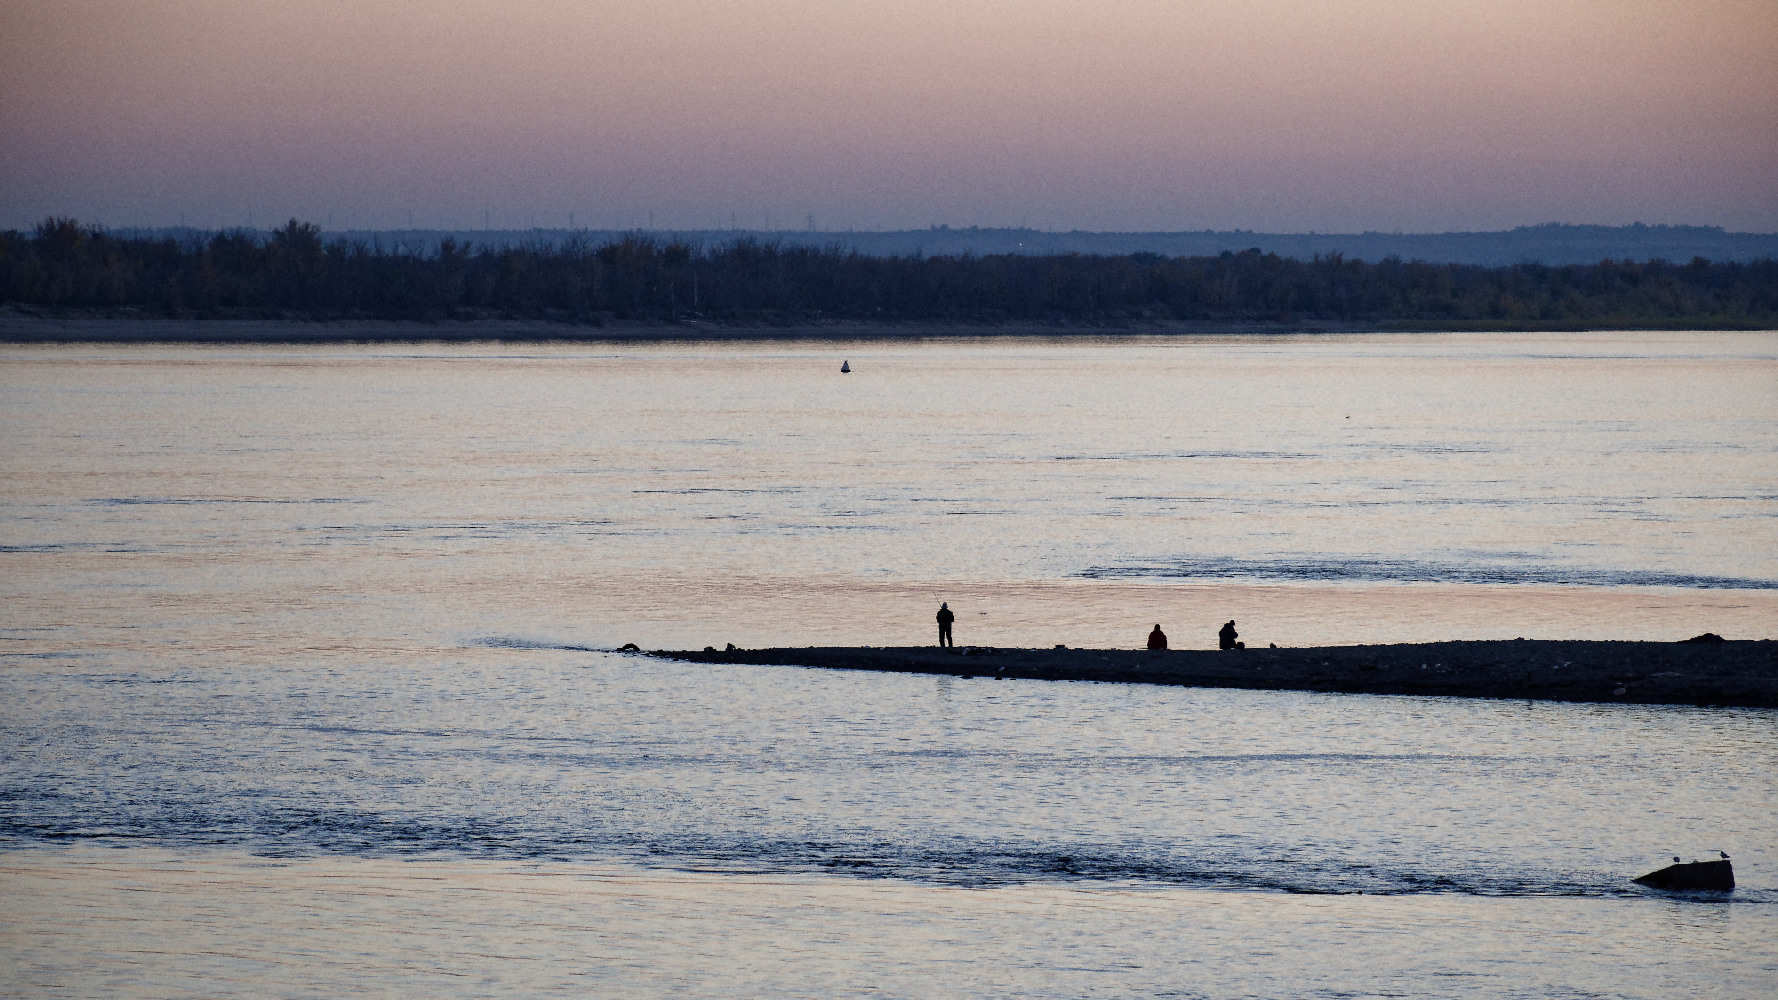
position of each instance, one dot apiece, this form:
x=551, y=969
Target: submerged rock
x=1696, y=875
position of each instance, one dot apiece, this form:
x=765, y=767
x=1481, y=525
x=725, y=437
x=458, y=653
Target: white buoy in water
x=845, y=366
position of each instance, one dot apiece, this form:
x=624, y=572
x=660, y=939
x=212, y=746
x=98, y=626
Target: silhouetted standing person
x=1225, y=639
x=945, y=618
x=1157, y=639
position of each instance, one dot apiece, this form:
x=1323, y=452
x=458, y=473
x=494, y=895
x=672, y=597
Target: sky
x=1268, y=115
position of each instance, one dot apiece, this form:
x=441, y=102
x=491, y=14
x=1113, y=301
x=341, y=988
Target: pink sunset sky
x=1276, y=115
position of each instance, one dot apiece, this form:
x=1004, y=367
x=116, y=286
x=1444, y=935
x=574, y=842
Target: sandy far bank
x=28, y=329
x=1735, y=673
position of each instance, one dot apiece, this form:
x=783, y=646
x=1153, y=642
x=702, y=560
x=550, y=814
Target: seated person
x=1157, y=639
x=1225, y=639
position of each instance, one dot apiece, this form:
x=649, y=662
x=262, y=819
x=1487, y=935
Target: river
x=308, y=680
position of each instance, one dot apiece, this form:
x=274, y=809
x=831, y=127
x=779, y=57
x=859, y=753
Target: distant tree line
x=64, y=266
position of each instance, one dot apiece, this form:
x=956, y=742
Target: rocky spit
x=1718, y=673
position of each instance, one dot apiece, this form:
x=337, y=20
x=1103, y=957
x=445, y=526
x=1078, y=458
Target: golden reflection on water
x=762, y=611
x=593, y=606
x=682, y=494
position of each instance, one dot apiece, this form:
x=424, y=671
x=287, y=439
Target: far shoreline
x=20, y=328
x=1741, y=673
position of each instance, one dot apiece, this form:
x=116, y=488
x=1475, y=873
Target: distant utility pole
x=570, y=220
x=651, y=220
x=811, y=221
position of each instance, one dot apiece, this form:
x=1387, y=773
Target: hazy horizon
x=267, y=226
x=1128, y=116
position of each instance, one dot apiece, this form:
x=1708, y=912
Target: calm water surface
x=306, y=683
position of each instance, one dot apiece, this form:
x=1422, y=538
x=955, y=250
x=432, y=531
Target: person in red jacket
x=1157, y=639
x=945, y=618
